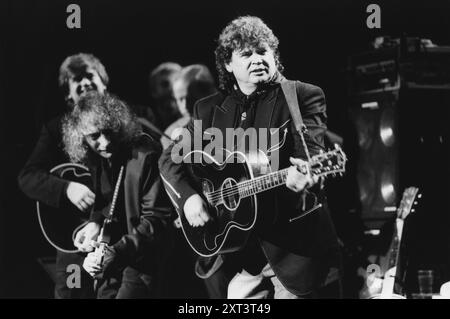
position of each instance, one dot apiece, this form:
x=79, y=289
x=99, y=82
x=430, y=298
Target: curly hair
x=103, y=112
x=75, y=64
x=243, y=32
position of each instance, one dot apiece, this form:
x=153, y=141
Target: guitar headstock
x=329, y=163
x=408, y=202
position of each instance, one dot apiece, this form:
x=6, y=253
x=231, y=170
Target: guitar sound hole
x=230, y=194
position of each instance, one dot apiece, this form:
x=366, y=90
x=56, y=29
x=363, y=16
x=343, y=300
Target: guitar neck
x=406, y=204
x=331, y=162
x=395, y=246
x=391, y=272
x=262, y=183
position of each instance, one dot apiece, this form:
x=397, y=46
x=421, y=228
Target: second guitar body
x=59, y=225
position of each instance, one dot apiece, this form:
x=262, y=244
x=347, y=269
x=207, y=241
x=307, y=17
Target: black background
x=131, y=38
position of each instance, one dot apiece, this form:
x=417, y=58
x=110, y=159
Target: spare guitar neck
x=392, y=274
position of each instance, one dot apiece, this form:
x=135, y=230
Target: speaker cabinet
x=375, y=117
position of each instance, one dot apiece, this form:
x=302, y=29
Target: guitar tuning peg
x=419, y=196
x=415, y=203
x=413, y=210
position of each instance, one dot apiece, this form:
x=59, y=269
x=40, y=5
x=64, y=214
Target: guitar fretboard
x=262, y=183
x=252, y=186
x=394, y=252
x=323, y=164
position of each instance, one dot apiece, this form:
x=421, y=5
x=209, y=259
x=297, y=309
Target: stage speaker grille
x=375, y=117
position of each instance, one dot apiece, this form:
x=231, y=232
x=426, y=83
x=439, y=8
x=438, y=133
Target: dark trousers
x=180, y=281
x=217, y=284
x=133, y=284
x=62, y=289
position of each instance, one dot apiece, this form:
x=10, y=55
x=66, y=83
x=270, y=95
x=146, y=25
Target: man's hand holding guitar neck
x=297, y=181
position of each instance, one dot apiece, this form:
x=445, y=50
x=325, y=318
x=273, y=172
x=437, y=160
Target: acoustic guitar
x=230, y=188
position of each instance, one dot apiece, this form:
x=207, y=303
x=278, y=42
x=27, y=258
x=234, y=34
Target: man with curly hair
x=282, y=258
x=78, y=74
x=103, y=134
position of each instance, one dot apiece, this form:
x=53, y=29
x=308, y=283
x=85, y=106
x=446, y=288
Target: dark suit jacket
x=148, y=239
x=34, y=179
x=295, y=250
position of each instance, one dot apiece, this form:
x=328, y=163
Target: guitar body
x=59, y=225
x=231, y=189
x=387, y=291
x=232, y=215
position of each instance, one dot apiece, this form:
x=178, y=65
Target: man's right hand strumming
x=80, y=195
x=195, y=211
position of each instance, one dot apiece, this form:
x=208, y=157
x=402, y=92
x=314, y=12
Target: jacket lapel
x=266, y=111
x=132, y=193
x=93, y=171
x=267, y=116
x=225, y=114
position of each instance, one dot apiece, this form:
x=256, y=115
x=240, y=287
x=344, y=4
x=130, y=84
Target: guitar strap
x=290, y=93
x=109, y=217
x=104, y=239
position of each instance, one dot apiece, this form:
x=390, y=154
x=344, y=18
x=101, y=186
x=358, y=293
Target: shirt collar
x=261, y=90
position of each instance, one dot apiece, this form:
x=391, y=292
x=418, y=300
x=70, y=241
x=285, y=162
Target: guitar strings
x=215, y=195
x=231, y=192
x=235, y=188
x=252, y=182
